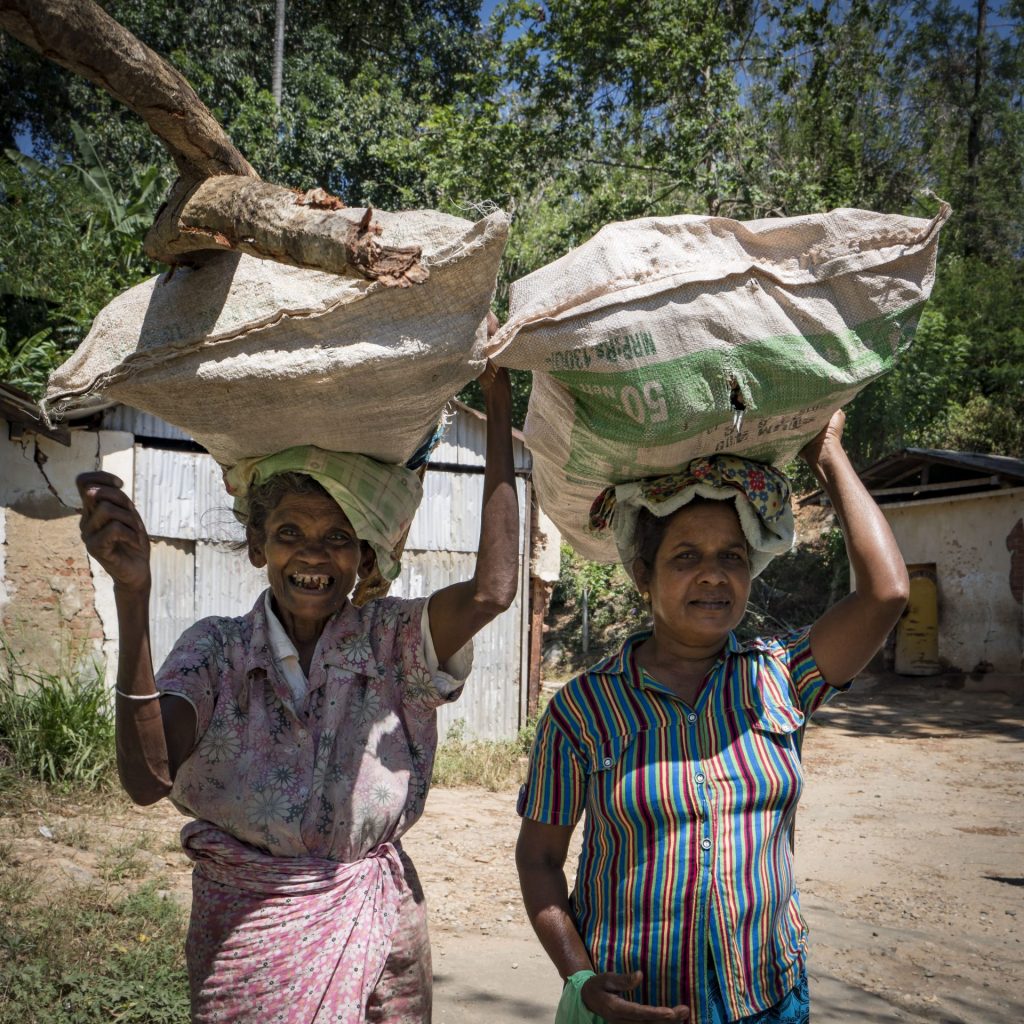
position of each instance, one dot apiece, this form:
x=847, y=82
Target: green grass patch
x=491, y=764
x=58, y=729
x=91, y=955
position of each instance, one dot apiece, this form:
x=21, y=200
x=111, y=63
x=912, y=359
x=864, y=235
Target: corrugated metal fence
x=198, y=570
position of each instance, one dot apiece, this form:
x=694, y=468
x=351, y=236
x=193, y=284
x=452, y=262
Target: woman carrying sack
x=683, y=750
x=301, y=736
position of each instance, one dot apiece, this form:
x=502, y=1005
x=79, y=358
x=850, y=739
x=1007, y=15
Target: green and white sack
x=251, y=357
x=663, y=339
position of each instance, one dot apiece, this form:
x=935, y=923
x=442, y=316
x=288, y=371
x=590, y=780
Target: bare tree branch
x=219, y=201
x=81, y=36
x=276, y=223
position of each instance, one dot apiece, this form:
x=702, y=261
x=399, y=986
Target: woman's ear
x=256, y=554
x=641, y=576
x=367, y=560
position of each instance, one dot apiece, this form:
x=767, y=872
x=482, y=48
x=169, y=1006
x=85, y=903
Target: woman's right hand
x=113, y=530
x=601, y=995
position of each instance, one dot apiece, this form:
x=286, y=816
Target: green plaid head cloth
x=379, y=499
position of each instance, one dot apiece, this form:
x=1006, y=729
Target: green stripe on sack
x=660, y=404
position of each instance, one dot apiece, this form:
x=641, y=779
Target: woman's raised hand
x=828, y=441
x=113, y=530
x=601, y=994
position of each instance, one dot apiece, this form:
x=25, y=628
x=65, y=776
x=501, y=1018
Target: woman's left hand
x=826, y=442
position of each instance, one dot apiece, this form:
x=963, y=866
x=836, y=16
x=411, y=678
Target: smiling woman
x=311, y=553
x=301, y=736
x=683, y=750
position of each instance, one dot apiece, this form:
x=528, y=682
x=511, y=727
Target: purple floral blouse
x=346, y=769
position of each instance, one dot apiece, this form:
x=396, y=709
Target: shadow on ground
x=908, y=708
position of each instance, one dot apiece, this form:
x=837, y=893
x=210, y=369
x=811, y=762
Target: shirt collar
x=340, y=629
x=278, y=640
x=618, y=663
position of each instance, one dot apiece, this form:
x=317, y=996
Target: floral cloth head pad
x=761, y=494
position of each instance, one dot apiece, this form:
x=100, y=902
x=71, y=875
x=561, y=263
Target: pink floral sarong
x=286, y=940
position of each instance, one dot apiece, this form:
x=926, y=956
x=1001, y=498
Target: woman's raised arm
x=460, y=611
x=847, y=636
x=153, y=735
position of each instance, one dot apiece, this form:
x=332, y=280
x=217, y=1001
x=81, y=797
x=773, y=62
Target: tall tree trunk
x=972, y=240
x=278, y=72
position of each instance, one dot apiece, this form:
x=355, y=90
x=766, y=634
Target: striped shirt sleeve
x=794, y=651
x=555, y=786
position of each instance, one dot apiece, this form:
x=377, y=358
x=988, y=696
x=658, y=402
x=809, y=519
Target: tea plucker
x=301, y=736
x=683, y=750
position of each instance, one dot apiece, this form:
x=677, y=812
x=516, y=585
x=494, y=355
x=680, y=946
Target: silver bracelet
x=136, y=696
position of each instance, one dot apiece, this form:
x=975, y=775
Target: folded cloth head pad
x=761, y=495
x=379, y=499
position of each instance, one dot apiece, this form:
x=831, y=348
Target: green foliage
x=909, y=406
x=989, y=425
x=58, y=729
x=90, y=956
x=496, y=765
x=614, y=611
x=573, y=113
x=29, y=362
x=69, y=242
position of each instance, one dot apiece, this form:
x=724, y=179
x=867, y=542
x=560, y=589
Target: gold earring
x=646, y=597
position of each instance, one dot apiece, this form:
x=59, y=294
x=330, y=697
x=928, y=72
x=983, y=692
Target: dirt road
x=909, y=851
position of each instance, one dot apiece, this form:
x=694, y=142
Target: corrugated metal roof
x=216, y=522
x=226, y=581
x=141, y=424
x=1001, y=465
x=165, y=491
x=21, y=410
x=917, y=474
x=448, y=518
x=465, y=442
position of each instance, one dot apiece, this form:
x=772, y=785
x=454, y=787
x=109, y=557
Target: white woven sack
x=250, y=356
x=646, y=340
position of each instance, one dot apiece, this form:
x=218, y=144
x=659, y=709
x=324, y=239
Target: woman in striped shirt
x=683, y=750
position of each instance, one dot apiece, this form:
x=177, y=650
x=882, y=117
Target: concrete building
x=959, y=518
x=56, y=604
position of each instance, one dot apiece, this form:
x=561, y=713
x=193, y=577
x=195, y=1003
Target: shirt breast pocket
x=609, y=767
x=774, y=757
x=775, y=719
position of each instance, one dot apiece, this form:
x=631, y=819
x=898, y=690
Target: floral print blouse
x=332, y=774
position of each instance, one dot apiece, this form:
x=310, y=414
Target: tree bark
x=278, y=65
x=81, y=36
x=300, y=229
x=972, y=242
x=219, y=201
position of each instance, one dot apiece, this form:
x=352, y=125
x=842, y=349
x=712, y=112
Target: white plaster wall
x=979, y=618
x=36, y=470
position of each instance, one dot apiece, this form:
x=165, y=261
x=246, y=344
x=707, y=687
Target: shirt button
x=691, y=717
x=608, y=762
x=699, y=777
x=705, y=844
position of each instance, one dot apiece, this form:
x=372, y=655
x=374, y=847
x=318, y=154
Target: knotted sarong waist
x=293, y=940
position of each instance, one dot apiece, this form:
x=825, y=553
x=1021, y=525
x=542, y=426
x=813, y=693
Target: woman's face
x=700, y=580
x=312, y=555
